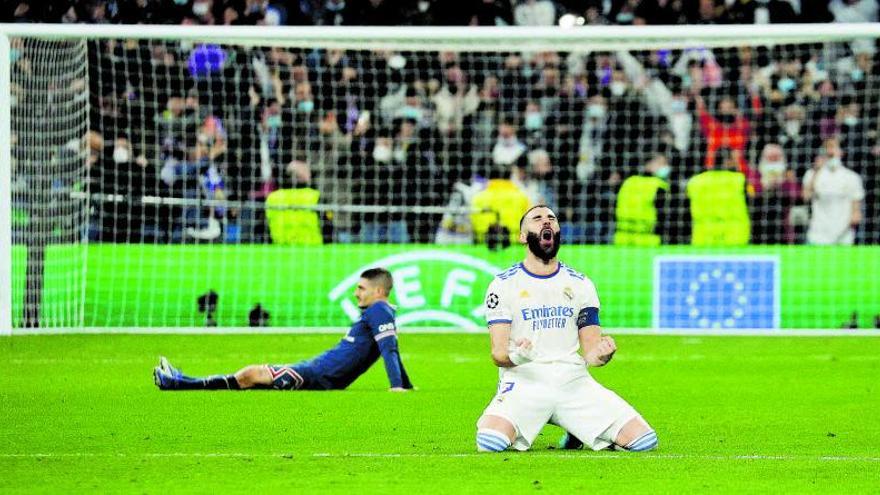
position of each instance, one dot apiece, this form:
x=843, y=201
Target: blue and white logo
x=716, y=292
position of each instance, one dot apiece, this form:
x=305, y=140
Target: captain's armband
x=588, y=317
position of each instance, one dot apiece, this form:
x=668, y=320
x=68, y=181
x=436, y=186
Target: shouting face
x=539, y=230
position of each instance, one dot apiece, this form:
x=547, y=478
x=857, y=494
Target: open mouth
x=546, y=235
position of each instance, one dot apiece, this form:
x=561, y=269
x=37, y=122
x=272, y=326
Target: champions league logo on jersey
x=431, y=288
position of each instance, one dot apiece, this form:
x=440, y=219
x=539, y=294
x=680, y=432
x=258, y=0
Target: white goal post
x=398, y=39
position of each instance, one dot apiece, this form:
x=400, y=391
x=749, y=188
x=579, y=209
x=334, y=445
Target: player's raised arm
x=597, y=349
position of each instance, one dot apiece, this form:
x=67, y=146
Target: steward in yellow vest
x=502, y=204
x=640, y=214
x=294, y=226
x=719, y=207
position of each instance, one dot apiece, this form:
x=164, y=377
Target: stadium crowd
x=372, y=135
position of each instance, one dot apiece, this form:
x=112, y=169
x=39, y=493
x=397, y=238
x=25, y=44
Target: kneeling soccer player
x=540, y=312
x=373, y=334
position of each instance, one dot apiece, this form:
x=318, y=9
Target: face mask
x=786, y=84
x=534, y=243
x=857, y=74
x=727, y=118
x=305, y=106
x=382, y=154
x=850, y=120
x=180, y=2
x=679, y=106
x=14, y=55
x=625, y=17
x=686, y=81
x=596, y=111
x=617, y=88
x=273, y=121
x=792, y=128
x=121, y=155
x=772, y=168
x=200, y=9
x=399, y=155
x=663, y=172
x=833, y=163
x=534, y=121
x=412, y=113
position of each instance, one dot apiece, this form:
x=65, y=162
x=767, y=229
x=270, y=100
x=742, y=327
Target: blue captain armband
x=588, y=317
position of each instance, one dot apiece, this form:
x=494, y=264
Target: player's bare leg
x=494, y=434
x=254, y=376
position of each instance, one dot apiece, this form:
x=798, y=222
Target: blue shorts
x=294, y=377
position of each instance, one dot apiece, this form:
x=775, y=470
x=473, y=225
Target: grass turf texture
x=780, y=415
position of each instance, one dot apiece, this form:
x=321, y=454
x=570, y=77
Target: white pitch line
x=547, y=455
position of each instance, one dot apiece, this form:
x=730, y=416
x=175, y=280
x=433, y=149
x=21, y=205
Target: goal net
x=704, y=177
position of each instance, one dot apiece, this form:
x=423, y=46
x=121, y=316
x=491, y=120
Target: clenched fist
x=602, y=352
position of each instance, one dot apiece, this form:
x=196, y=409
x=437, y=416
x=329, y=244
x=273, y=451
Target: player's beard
x=546, y=254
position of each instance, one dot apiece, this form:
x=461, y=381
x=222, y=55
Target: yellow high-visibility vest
x=635, y=213
x=503, y=202
x=719, y=212
x=288, y=226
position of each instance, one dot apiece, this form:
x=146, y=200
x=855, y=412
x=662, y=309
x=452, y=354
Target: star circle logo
x=492, y=300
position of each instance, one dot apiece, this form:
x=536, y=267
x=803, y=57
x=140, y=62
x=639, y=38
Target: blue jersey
x=374, y=334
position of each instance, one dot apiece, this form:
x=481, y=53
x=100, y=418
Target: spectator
x=761, y=12
x=836, y=195
x=854, y=10
x=797, y=138
x=728, y=129
x=379, y=12
x=508, y=149
x=492, y=13
x=537, y=179
x=664, y=100
x=456, y=100
x=642, y=213
x=286, y=224
x=499, y=207
x=535, y=13
x=337, y=13
x=718, y=204
x=660, y=12
x=780, y=191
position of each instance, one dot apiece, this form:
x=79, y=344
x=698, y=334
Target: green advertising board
x=131, y=285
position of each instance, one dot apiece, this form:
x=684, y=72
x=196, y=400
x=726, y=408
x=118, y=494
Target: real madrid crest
x=568, y=293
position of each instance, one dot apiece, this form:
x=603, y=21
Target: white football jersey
x=543, y=309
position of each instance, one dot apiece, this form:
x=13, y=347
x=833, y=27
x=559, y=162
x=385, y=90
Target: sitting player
x=540, y=312
x=373, y=334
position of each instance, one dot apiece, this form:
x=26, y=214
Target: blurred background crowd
x=724, y=146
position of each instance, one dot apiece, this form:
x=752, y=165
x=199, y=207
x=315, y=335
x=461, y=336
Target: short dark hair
x=379, y=276
x=523, y=217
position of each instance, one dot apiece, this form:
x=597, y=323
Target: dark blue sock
x=215, y=382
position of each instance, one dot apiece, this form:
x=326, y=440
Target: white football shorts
x=533, y=395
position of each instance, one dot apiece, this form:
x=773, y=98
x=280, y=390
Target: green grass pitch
x=80, y=414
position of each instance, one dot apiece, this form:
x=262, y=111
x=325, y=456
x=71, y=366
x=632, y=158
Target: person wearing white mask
x=780, y=191
x=508, y=148
x=836, y=194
